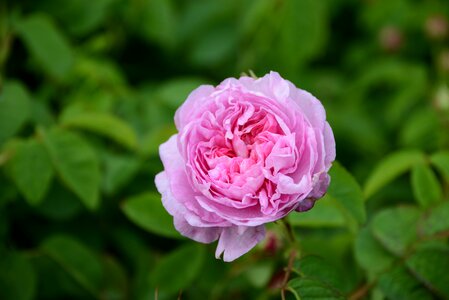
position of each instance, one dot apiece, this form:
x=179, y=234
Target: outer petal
x=181, y=199
x=200, y=234
x=272, y=85
x=310, y=106
x=305, y=204
x=177, y=210
x=173, y=206
x=321, y=183
x=176, y=194
x=329, y=146
x=238, y=240
x=184, y=113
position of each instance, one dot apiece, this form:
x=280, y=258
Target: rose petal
x=329, y=145
x=184, y=112
x=238, y=240
x=178, y=196
x=200, y=234
x=249, y=151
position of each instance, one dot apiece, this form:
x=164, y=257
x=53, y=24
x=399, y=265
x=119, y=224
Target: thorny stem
x=443, y=234
x=361, y=292
x=287, y=272
x=291, y=237
x=156, y=294
x=289, y=230
x=6, y=38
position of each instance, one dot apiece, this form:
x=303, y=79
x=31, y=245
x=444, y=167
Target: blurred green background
x=88, y=91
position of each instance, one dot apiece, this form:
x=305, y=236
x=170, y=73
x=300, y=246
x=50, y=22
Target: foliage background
x=88, y=92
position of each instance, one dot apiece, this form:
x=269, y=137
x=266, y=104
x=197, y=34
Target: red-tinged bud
x=391, y=38
x=437, y=27
x=277, y=280
x=272, y=243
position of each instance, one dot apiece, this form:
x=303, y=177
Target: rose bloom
x=248, y=152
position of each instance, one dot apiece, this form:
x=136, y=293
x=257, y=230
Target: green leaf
x=390, y=168
x=104, y=124
x=254, y=14
x=156, y=136
x=186, y=260
x=399, y=93
x=426, y=188
x=8, y=193
x=374, y=141
x=283, y=36
x=430, y=266
x=174, y=92
x=75, y=259
x=17, y=277
x=78, y=16
x=316, y=268
x=76, y=164
x=60, y=204
x=115, y=281
x=399, y=284
x=325, y=213
x=441, y=161
x=97, y=71
x=214, y=46
x=395, y=228
x=346, y=191
x=159, y=18
x=46, y=44
x=396, y=12
x=14, y=109
x=31, y=170
x=132, y=247
x=310, y=289
x=54, y=281
x=370, y=254
x=146, y=210
x=119, y=170
x=421, y=130
x=303, y=31
x=431, y=244
x=259, y=274
x=436, y=221
x=41, y=114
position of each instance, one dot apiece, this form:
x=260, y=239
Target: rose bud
x=391, y=39
x=277, y=280
x=272, y=243
x=248, y=152
x=437, y=27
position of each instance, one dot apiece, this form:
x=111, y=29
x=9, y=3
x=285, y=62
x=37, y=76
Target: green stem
x=293, y=253
x=6, y=38
x=288, y=271
x=289, y=231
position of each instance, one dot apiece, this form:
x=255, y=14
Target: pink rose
x=248, y=152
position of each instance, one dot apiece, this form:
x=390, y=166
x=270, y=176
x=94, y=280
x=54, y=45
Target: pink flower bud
x=391, y=38
x=437, y=27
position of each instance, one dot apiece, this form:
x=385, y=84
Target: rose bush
x=248, y=152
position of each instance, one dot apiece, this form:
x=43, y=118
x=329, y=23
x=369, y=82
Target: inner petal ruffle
x=242, y=149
